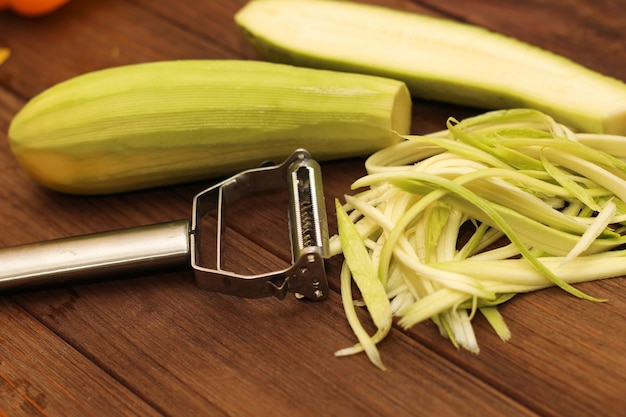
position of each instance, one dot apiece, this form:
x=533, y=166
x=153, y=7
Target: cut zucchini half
x=438, y=59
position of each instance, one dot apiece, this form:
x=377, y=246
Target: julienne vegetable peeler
x=199, y=243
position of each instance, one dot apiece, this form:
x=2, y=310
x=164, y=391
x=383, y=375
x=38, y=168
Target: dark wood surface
x=158, y=346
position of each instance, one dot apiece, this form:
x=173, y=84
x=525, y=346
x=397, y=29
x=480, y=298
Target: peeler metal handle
x=94, y=255
x=192, y=243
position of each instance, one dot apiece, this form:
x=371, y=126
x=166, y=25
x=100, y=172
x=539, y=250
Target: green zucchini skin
x=438, y=59
x=161, y=123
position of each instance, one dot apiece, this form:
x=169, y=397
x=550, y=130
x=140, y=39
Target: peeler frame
x=306, y=277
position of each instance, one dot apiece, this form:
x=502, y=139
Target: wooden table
x=156, y=345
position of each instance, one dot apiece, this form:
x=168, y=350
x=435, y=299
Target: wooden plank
x=557, y=342
x=189, y=351
x=40, y=374
x=86, y=36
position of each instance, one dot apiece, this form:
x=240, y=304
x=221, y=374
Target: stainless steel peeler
x=198, y=243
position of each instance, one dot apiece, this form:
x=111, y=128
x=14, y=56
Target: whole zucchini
x=161, y=123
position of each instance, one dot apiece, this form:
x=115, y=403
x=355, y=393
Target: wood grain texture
x=41, y=374
x=157, y=345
